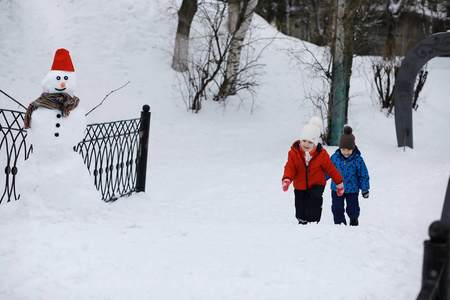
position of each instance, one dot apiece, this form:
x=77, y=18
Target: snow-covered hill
x=214, y=222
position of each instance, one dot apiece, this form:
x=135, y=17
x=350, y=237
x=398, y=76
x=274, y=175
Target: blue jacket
x=353, y=170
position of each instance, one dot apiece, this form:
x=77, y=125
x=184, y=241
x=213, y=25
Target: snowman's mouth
x=60, y=90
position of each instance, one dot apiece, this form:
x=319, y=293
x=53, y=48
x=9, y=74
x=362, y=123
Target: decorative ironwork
x=110, y=151
x=12, y=146
x=115, y=153
x=430, y=47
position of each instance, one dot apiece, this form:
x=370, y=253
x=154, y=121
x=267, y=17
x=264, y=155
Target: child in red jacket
x=306, y=166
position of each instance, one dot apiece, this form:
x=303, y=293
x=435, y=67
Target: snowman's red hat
x=62, y=61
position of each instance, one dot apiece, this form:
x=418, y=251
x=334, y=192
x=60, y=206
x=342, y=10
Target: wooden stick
x=107, y=97
x=12, y=99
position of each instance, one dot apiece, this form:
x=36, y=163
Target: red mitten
x=340, y=189
x=285, y=184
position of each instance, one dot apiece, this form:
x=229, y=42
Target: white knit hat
x=311, y=131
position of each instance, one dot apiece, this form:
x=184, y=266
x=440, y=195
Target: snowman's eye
x=58, y=77
x=66, y=77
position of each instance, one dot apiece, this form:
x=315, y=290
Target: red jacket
x=304, y=177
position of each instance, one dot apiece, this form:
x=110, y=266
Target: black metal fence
x=114, y=152
x=13, y=145
x=436, y=257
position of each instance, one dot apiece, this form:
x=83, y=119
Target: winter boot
x=354, y=222
x=302, y=222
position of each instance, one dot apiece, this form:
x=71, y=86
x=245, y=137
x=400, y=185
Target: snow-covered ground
x=214, y=222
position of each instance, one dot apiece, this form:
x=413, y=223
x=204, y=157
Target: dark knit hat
x=347, y=140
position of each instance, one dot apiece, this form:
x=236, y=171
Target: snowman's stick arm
x=107, y=97
x=12, y=99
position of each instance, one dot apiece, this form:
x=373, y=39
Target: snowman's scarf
x=59, y=101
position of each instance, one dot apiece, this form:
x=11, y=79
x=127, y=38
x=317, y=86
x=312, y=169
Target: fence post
x=144, y=132
x=436, y=257
x=445, y=217
x=435, y=263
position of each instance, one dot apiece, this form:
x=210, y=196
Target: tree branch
x=107, y=97
x=12, y=99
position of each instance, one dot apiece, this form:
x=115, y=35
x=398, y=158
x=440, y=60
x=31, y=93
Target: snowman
x=55, y=182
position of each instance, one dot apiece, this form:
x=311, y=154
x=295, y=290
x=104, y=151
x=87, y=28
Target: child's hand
x=365, y=194
x=285, y=184
x=340, y=189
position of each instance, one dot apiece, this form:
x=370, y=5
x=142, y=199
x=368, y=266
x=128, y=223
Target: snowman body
x=53, y=133
x=55, y=181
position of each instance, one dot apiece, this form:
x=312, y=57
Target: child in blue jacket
x=348, y=160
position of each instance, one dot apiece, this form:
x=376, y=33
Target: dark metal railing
x=436, y=257
x=115, y=153
x=13, y=144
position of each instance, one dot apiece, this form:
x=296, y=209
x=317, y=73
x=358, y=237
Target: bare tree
x=334, y=70
x=385, y=68
x=342, y=51
x=208, y=58
x=240, y=14
x=181, y=52
x=207, y=66
x=384, y=73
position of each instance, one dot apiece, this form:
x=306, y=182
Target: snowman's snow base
x=55, y=180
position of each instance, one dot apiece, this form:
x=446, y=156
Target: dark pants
x=337, y=207
x=308, y=203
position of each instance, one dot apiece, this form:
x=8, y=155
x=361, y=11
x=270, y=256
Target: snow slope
x=214, y=222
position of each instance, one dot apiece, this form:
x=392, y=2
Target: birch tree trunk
x=342, y=67
x=288, y=17
x=240, y=14
x=336, y=108
x=181, y=52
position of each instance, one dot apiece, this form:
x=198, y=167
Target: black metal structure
x=116, y=155
x=436, y=257
x=144, y=133
x=13, y=145
x=435, y=45
x=114, y=152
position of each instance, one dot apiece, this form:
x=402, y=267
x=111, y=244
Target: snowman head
x=61, y=78
x=60, y=82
